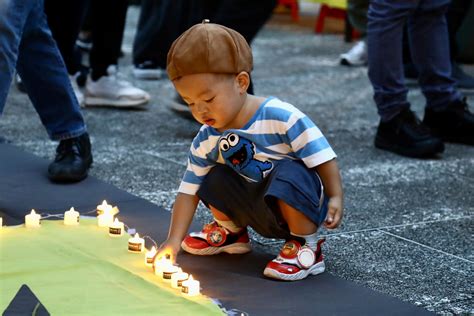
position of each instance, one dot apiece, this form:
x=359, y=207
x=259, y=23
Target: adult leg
x=13, y=16
x=429, y=47
x=399, y=129
x=65, y=20
x=44, y=74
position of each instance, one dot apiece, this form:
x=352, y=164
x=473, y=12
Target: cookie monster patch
x=238, y=153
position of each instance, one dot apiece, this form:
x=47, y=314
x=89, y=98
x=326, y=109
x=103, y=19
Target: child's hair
x=209, y=48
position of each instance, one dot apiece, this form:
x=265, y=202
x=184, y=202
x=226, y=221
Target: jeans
x=27, y=45
x=429, y=44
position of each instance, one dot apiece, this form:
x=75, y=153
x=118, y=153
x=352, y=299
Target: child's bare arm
x=329, y=173
x=181, y=217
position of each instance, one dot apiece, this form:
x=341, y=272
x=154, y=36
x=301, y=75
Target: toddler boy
x=256, y=161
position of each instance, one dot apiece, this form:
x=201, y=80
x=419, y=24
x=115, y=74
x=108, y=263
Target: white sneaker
x=75, y=87
x=112, y=91
x=356, y=56
x=148, y=70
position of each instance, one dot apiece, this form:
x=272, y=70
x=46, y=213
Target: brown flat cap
x=209, y=48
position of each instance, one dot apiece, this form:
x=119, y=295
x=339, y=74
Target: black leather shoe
x=72, y=161
x=455, y=124
x=406, y=135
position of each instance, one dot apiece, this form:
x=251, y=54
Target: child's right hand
x=169, y=247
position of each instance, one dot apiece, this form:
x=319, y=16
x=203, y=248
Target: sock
x=229, y=225
x=311, y=240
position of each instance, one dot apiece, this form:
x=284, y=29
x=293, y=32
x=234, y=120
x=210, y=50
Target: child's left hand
x=335, y=212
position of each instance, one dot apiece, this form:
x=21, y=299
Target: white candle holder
x=178, y=278
x=136, y=244
x=116, y=228
x=71, y=217
x=33, y=220
x=190, y=287
x=150, y=257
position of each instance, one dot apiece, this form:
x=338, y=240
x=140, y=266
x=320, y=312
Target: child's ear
x=243, y=81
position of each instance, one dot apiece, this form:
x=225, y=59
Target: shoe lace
x=66, y=147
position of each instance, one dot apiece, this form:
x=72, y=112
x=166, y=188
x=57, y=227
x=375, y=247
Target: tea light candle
x=105, y=220
x=178, y=278
x=104, y=208
x=190, y=287
x=150, y=256
x=71, y=217
x=158, y=266
x=168, y=271
x=33, y=220
x=116, y=228
x=136, y=244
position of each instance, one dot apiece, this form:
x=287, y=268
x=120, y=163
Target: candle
x=178, y=278
x=104, y=208
x=150, y=256
x=168, y=271
x=136, y=244
x=190, y=287
x=32, y=220
x=158, y=265
x=105, y=220
x=71, y=217
x=116, y=228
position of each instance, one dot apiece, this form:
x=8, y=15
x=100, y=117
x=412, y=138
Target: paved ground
x=408, y=228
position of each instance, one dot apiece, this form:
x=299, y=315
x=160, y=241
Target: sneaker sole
x=318, y=268
x=427, y=151
x=148, y=74
x=100, y=102
x=346, y=62
x=237, y=248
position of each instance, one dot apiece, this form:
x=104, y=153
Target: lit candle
x=168, y=271
x=150, y=256
x=136, y=244
x=71, y=217
x=105, y=220
x=104, y=208
x=190, y=287
x=158, y=265
x=32, y=220
x=178, y=278
x=116, y=228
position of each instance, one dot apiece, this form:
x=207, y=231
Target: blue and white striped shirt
x=276, y=131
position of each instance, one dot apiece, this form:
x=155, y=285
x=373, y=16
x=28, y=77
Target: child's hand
x=335, y=212
x=168, y=248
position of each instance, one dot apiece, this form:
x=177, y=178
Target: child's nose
x=201, y=107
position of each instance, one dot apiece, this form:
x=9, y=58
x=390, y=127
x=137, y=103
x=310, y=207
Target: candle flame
x=116, y=221
x=104, y=203
x=190, y=277
x=153, y=249
x=136, y=235
x=72, y=209
x=32, y=212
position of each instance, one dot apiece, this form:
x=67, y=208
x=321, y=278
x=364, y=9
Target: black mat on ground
x=25, y=303
x=236, y=280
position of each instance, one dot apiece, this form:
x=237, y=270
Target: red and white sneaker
x=214, y=239
x=296, y=262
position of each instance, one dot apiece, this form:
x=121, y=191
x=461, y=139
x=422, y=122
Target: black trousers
x=107, y=23
x=161, y=22
x=65, y=19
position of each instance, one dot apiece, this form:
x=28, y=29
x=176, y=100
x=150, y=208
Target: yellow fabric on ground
x=341, y=4
x=80, y=270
